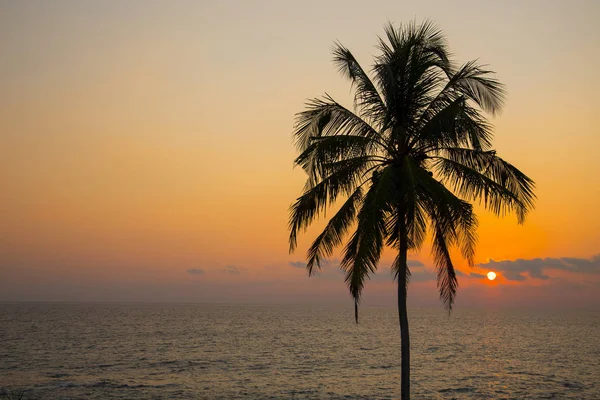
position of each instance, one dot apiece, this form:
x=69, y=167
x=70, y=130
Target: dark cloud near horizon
x=514, y=276
x=475, y=275
x=233, y=270
x=328, y=263
x=470, y=274
x=422, y=276
x=415, y=276
x=328, y=269
x=297, y=264
x=331, y=269
x=416, y=273
x=195, y=271
x=520, y=269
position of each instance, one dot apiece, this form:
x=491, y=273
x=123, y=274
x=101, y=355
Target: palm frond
x=362, y=253
x=456, y=214
x=366, y=97
x=445, y=219
x=512, y=192
x=446, y=276
x=476, y=82
x=440, y=130
x=329, y=149
x=495, y=168
x=326, y=117
x=343, y=180
x=473, y=82
x=332, y=235
x=409, y=68
x=452, y=123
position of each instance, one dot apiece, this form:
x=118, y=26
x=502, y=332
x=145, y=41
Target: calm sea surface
x=81, y=351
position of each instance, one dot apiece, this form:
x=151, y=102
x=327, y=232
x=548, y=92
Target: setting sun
x=491, y=275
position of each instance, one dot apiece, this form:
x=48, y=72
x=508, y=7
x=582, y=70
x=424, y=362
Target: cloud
x=520, y=269
x=233, y=270
x=298, y=264
x=336, y=263
x=582, y=265
x=326, y=265
x=514, y=276
x=478, y=276
x=422, y=276
x=195, y=271
x=330, y=269
x=419, y=275
x=382, y=275
x=470, y=275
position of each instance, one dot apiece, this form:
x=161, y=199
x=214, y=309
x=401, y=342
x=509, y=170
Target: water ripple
x=59, y=351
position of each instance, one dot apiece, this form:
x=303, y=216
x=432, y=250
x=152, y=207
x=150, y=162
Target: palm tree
x=407, y=161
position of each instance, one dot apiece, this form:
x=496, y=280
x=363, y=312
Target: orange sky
x=143, y=140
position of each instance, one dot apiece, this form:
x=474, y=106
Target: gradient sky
x=146, y=151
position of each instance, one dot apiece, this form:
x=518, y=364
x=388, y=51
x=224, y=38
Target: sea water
x=202, y=351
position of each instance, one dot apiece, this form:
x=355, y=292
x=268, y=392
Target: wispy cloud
x=475, y=275
x=297, y=264
x=469, y=275
x=417, y=274
x=415, y=263
x=330, y=269
x=233, y=270
x=195, y=271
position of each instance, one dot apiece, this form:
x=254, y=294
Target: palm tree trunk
x=403, y=316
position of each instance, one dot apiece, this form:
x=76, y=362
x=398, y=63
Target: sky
x=146, y=150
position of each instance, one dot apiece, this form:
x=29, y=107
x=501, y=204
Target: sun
x=491, y=275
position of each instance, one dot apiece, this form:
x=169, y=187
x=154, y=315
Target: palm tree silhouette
x=407, y=162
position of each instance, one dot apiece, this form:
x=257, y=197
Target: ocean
x=203, y=351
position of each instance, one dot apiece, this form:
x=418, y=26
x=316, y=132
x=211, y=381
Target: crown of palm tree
x=408, y=160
